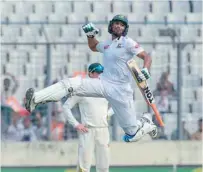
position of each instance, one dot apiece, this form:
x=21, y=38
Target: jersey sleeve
x=68, y=105
x=101, y=46
x=133, y=47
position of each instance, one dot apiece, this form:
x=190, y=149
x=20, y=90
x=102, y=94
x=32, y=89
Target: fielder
x=93, y=130
x=114, y=82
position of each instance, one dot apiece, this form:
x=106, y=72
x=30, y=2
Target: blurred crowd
x=164, y=93
x=19, y=125
x=35, y=127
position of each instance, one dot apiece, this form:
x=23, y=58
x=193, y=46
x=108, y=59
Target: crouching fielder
x=93, y=129
x=114, y=83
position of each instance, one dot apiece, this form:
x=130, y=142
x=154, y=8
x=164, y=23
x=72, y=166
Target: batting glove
x=90, y=30
x=144, y=75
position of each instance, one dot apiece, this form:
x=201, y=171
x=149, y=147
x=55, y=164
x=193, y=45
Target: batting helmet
x=95, y=67
x=122, y=19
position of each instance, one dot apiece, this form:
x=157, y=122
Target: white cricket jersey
x=116, y=53
x=93, y=111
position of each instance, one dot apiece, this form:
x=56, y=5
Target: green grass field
x=112, y=169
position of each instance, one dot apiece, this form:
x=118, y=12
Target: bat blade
x=145, y=90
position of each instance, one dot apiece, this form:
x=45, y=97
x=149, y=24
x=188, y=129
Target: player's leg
x=126, y=115
x=120, y=97
x=73, y=86
x=85, y=151
x=102, y=150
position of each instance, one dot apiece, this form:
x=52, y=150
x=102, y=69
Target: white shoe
x=152, y=128
x=148, y=127
x=145, y=129
x=147, y=117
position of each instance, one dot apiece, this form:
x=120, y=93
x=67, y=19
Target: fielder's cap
x=95, y=67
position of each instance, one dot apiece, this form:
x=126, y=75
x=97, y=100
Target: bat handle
x=157, y=114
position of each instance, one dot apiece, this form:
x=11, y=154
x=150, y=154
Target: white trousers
x=94, y=142
x=120, y=97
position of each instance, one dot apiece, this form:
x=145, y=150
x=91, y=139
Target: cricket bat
x=145, y=90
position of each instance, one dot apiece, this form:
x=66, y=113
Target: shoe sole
x=28, y=98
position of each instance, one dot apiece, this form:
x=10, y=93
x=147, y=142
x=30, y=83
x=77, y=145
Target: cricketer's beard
x=116, y=35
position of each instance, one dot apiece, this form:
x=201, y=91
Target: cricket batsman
x=114, y=83
x=93, y=129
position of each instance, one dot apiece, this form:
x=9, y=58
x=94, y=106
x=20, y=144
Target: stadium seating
x=102, y=9
x=197, y=6
x=179, y=7
x=193, y=17
x=198, y=93
x=140, y=7
x=53, y=32
x=118, y=6
x=173, y=18
x=161, y=7
x=136, y=18
x=155, y=18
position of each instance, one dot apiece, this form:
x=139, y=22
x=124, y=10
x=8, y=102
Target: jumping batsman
x=114, y=82
x=93, y=129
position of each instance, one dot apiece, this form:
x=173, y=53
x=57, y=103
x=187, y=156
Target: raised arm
x=90, y=30
x=92, y=43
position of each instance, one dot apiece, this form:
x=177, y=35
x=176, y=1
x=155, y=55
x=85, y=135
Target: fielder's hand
x=144, y=75
x=81, y=128
x=90, y=30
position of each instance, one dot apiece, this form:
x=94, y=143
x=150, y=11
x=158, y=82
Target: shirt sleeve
x=133, y=47
x=68, y=105
x=100, y=47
